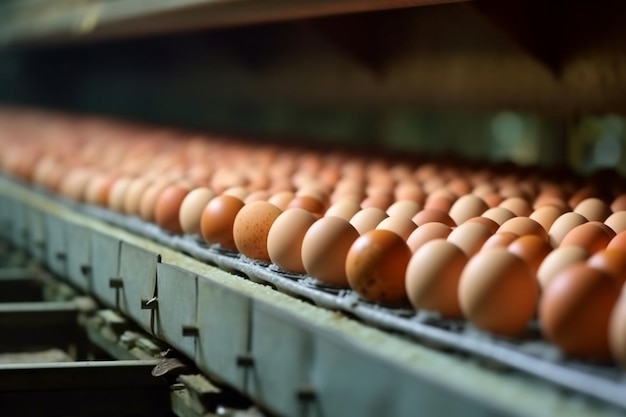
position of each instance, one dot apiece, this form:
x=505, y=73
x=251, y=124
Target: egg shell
x=593, y=209
x=432, y=277
x=98, y=189
x=251, y=227
x=492, y=225
x=167, y=208
x=257, y=195
x=284, y=240
x=499, y=240
x=612, y=261
x=575, y=310
x=376, y=266
x=367, y=219
x=558, y=260
x=532, y=249
x=132, y=197
x=426, y=233
x=498, y=214
x=470, y=237
x=400, y=225
x=74, y=184
x=308, y=203
x=344, y=208
x=617, y=331
x=467, y=207
x=428, y=215
x=617, y=221
x=404, y=208
x=238, y=191
x=518, y=205
x=563, y=225
x=117, y=193
x=619, y=203
x=281, y=199
x=190, y=214
x=546, y=216
x=325, y=247
x=523, y=226
x=217, y=219
x=149, y=199
x=498, y=293
x=592, y=236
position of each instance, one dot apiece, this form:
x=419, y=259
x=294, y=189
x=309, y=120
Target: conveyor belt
x=286, y=354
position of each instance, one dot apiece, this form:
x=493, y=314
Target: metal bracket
x=190, y=330
x=150, y=304
x=116, y=282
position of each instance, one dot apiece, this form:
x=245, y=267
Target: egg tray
x=529, y=354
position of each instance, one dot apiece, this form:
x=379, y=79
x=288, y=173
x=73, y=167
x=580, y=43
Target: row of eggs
x=492, y=247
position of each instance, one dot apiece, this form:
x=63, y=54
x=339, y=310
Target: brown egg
x=281, y=199
x=238, y=191
x=284, y=240
x=149, y=198
x=593, y=209
x=218, y=217
x=74, y=184
x=611, y=261
x=308, y=203
x=558, y=260
x=592, y=236
x=251, y=227
x=546, y=216
x=617, y=221
x=409, y=191
x=498, y=214
x=426, y=233
x=575, y=310
x=376, y=266
x=617, y=331
x=492, y=200
x=563, y=225
x=98, y=189
x=459, y=186
x=619, y=203
x=619, y=241
x=400, y=225
x=167, y=208
x=432, y=277
x=498, y=293
x=404, y=208
x=432, y=215
x=257, y=195
x=466, y=207
x=117, y=194
x=441, y=201
x=523, y=226
x=367, y=219
x=499, y=240
x=532, y=249
x=133, y=194
x=519, y=206
x=190, y=214
x=470, y=237
x=550, y=201
x=492, y=225
x=344, y=208
x=325, y=247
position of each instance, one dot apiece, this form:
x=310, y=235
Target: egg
x=217, y=219
x=117, y=193
x=519, y=206
x=284, y=240
x=344, y=208
x=308, y=203
x=432, y=277
x=251, y=227
x=563, y=225
x=404, y=208
x=532, y=249
x=400, y=225
x=523, y=226
x=367, y=219
x=466, y=207
x=426, y=233
x=612, y=261
x=498, y=292
x=617, y=331
x=546, y=216
x=148, y=202
x=558, y=260
x=492, y=225
x=376, y=266
x=432, y=215
x=499, y=240
x=575, y=310
x=617, y=221
x=167, y=208
x=469, y=237
x=325, y=247
x=281, y=199
x=592, y=236
x=190, y=214
x=593, y=209
x=498, y=214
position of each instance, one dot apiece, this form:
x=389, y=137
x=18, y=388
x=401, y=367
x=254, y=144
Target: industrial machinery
x=157, y=321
